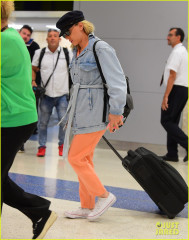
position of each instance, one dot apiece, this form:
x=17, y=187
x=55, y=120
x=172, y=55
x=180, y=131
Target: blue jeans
x=46, y=106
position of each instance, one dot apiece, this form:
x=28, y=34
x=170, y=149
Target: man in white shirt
x=57, y=89
x=176, y=95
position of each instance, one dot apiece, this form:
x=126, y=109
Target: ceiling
x=36, y=19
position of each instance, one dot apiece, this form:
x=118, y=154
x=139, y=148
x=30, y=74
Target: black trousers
x=31, y=205
x=170, y=120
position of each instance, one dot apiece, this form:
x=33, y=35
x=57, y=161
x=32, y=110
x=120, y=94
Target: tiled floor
x=133, y=216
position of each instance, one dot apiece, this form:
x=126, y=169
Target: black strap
x=41, y=57
x=52, y=72
x=68, y=63
x=162, y=79
x=128, y=88
x=66, y=56
x=106, y=97
x=3, y=29
x=53, y=69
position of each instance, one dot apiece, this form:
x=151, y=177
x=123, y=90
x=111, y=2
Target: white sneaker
x=79, y=213
x=101, y=206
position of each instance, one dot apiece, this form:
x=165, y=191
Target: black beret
x=68, y=20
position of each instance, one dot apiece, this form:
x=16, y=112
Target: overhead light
x=52, y=27
x=15, y=26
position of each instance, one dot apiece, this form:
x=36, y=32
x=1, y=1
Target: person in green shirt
x=18, y=121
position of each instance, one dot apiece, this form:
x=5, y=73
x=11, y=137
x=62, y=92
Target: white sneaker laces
x=98, y=204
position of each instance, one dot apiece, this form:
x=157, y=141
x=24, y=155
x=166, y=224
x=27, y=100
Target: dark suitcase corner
x=159, y=179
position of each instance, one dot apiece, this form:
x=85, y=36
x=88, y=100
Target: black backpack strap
x=128, y=88
x=67, y=56
x=98, y=63
x=106, y=97
x=41, y=56
x=68, y=63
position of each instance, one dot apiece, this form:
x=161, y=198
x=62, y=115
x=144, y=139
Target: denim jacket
x=89, y=104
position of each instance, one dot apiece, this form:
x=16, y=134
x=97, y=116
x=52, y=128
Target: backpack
x=67, y=61
x=129, y=100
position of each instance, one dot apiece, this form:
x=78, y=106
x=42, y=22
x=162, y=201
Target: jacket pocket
x=88, y=72
x=89, y=108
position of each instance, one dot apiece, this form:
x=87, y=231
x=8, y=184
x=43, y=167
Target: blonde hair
x=88, y=27
x=7, y=7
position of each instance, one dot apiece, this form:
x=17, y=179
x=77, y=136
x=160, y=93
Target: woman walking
x=86, y=110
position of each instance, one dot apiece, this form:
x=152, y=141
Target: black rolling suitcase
x=159, y=179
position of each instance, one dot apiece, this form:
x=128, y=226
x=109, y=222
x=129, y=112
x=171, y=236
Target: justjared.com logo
x=167, y=228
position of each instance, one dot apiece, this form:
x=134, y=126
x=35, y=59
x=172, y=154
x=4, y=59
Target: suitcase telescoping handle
x=125, y=161
x=113, y=149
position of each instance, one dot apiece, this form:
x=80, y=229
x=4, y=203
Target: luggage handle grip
x=132, y=153
x=127, y=160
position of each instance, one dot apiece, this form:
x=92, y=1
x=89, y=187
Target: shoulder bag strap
x=68, y=63
x=66, y=56
x=41, y=57
x=106, y=97
x=53, y=71
x=98, y=63
x=128, y=88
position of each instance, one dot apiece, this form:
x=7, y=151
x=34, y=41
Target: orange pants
x=80, y=157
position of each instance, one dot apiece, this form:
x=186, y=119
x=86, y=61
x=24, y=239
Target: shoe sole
x=103, y=211
x=40, y=155
x=168, y=160
x=73, y=216
x=52, y=218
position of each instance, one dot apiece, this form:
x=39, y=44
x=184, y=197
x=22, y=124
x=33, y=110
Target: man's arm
x=34, y=71
x=170, y=84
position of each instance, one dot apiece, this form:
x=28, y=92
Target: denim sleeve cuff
x=116, y=111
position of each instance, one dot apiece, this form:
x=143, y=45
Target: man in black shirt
x=26, y=32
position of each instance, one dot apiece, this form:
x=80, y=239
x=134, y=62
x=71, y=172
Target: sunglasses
x=68, y=32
